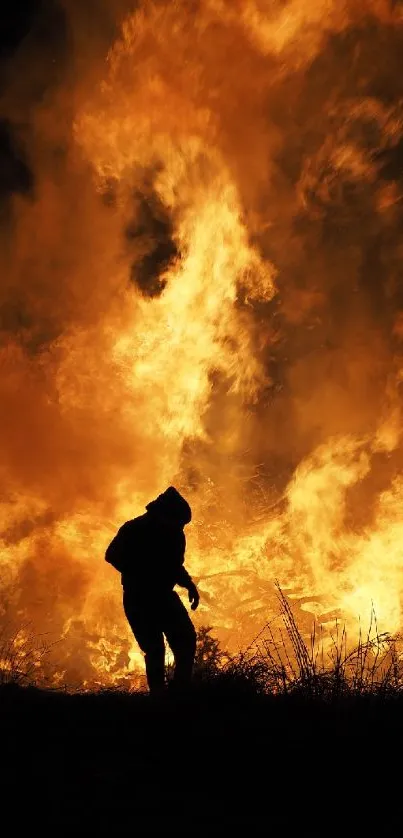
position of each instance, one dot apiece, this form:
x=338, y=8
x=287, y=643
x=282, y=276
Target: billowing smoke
x=201, y=214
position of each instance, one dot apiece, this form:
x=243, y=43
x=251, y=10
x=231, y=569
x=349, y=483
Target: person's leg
x=145, y=625
x=181, y=636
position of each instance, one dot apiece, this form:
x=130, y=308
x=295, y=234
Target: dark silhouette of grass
x=266, y=742
x=22, y=654
x=222, y=759
x=284, y=663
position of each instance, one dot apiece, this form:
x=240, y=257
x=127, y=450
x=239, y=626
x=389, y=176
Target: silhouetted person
x=149, y=552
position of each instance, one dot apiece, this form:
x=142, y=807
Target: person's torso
x=154, y=551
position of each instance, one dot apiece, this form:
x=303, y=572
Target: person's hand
x=194, y=597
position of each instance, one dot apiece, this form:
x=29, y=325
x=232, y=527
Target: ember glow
x=204, y=289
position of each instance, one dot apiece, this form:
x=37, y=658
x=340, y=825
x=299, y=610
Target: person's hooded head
x=171, y=505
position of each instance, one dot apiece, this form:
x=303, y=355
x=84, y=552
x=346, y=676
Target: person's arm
x=184, y=580
x=116, y=553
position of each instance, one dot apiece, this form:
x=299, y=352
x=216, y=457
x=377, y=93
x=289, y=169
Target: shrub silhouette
x=210, y=657
x=22, y=655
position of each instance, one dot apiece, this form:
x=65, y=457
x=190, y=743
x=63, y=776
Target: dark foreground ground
x=216, y=763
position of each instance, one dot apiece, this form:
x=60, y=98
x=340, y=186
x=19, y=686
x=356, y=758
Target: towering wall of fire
x=201, y=285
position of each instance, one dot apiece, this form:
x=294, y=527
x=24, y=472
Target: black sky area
x=24, y=23
x=16, y=21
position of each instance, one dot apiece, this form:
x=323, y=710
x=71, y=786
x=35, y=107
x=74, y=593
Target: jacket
x=149, y=552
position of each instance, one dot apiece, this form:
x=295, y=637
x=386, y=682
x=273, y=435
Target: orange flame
x=186, y=303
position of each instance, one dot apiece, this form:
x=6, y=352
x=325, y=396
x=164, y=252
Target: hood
x=172, y=505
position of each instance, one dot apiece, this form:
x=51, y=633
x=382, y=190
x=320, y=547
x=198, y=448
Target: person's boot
x=157, y=694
